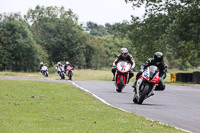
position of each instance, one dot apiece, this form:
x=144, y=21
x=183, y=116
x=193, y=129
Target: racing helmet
x=58, y=63
x=158, y=57
x=124, y=52
x=67, y=62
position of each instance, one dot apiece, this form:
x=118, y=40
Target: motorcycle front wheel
x=70, y=75
x=120, y=85
x=135, y=100
x=46, y=75
x=143, y=93
x=62, y=76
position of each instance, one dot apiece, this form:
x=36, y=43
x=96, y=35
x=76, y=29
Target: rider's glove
x=163, y=76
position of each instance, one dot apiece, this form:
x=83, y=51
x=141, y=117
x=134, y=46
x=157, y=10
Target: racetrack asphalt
x=177, y=106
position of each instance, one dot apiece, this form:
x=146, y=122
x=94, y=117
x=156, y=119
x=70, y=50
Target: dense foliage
x=172, y=27
x=18, y=50
x=52, y=34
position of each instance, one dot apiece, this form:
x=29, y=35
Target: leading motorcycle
x=146, y=84
x=122, y=75
x=44, y=71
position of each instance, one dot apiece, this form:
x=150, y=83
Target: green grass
x=48, y=107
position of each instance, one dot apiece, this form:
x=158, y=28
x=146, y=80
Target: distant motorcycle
x=69, y=72
x=44, y=71
x=122, y=75
x=61, y=72
x=146, y=84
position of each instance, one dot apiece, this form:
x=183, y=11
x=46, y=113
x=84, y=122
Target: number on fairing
x=123, y=69
x=146, y=73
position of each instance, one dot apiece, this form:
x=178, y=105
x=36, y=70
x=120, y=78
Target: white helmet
x=67, y=62
x=59, y=63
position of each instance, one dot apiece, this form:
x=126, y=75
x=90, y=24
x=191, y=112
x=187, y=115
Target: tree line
x=53, y=34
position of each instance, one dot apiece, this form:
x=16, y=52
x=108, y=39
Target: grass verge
x=48, y=107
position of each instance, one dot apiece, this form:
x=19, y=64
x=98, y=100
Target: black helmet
x=158, y=57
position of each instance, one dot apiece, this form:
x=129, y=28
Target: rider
x=66, y=65
x=58, y=66
x=41, y=65
x=162, y=66
x=124, y=56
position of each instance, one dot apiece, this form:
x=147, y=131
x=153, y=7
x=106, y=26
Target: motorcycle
x=146, y=84
x=61, y=72
x=69, y=72
x=122, y=75
x=44, y=71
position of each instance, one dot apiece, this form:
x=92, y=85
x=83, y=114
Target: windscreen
x=153, y=71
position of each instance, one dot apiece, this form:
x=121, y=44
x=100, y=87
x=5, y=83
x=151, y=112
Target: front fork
x=117, y=80
x=139, y=82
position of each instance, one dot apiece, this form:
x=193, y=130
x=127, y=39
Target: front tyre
x=70, y=75
x=62, y=75
x=120, y=84
x=46, y=75
x=143, y=93
x=135, y=100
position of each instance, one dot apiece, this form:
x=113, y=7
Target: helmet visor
x=159, y=59
x=124, y=54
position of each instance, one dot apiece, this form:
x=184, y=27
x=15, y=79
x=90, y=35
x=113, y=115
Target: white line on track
x=102, y=100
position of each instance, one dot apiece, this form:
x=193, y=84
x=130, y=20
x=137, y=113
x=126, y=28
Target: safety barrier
x=173, y=77
x=186, y=77
x=196, y=77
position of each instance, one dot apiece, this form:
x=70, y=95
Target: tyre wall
x=186, y=77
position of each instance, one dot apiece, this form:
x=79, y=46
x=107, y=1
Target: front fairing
x=69, y=68
x=44, y=68
x=151, y=74
x=123, y=67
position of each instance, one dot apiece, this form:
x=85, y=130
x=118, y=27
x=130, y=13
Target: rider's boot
x=113, y=79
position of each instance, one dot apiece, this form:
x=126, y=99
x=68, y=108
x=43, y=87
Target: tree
x=18, y=49
x=178, y=24
x=96, y=30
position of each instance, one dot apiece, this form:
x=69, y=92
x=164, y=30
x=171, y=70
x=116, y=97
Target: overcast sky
x=98, y=11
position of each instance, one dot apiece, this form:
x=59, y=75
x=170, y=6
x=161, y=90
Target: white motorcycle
x=44, y=71
x=61, y=72
x=146, y=84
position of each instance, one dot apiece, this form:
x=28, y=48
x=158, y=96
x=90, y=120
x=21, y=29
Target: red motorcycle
x=146, y=84
x=69, y=72
x=122, y=75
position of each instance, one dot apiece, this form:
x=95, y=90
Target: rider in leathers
x=162, y=66
x=124, y=56
x=66, y=65
x=41, y=65
x=58, y=66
